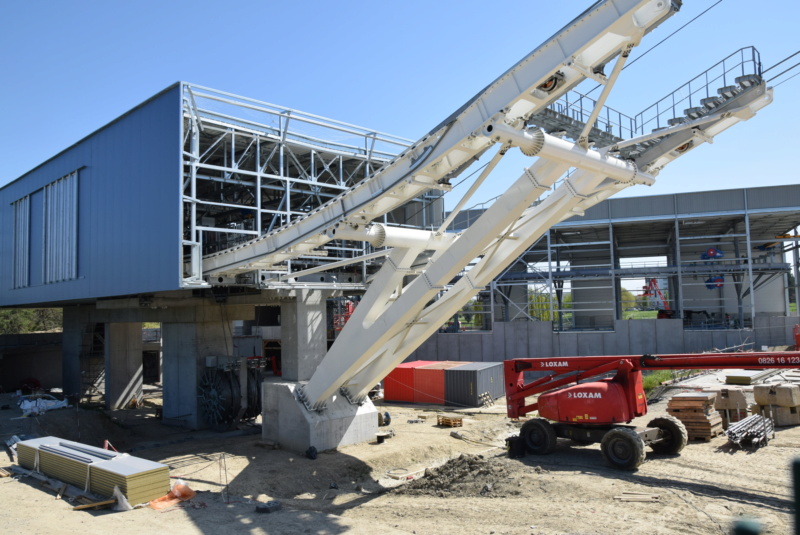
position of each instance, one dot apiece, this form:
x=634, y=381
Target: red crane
x=596, y=411
x=654, y=295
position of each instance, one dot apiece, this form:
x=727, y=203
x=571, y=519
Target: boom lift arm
x=567, y=370
x=597, y=409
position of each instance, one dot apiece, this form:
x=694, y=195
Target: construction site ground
x=425, y=479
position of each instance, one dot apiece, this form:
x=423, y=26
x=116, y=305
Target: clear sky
x=68, y=68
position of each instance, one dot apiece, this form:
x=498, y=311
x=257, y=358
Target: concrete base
x=287, y=422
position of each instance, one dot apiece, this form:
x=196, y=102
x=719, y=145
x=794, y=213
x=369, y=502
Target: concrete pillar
x=303, y=329
x=75, y=324
x=123, y=355
x=185, y=347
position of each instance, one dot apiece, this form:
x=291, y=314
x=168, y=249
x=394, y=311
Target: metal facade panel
x=710, y=201
x=773, y=197
x=657, y=205
x=129, y=180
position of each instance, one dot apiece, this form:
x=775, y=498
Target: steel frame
x=250, y=167
x=546, y=269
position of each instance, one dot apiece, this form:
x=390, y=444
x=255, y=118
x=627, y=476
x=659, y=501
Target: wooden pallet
x=697, y=413
x=449, y=421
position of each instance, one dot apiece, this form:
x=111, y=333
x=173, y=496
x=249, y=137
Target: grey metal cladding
x=129, y=228
x=710, y=201
x=642, y=206
x=773, y=197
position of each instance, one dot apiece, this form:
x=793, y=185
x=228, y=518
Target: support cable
x=789, y=78
x=662, y=41
x=784, y=72
x=781, y=61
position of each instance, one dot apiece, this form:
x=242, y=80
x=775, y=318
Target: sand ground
x=471, y=486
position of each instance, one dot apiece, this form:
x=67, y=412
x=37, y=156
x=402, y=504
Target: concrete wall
x=532, y=339
x=36, y=356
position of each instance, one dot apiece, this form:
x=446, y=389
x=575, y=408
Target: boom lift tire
x=539, y=436
x=623, y=448
x=674, y=435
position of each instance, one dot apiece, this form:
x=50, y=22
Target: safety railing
x=724, y=73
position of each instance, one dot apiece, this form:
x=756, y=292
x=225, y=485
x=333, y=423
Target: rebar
x=753, y=430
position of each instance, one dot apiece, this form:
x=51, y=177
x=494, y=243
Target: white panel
x=22, y=222
x=60, y=238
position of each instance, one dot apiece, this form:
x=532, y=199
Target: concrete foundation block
x=286, y=421
x=782, y=395
x=782, y=416
x=731, y=399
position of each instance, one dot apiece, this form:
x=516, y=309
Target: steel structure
x=250, y=168
x=664, y=237
x=594, y=256
x=413, y=293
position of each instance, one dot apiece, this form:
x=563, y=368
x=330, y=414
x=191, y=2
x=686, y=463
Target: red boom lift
x=596, y=411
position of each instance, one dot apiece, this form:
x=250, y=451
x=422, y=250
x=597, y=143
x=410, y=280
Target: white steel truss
x=413, y=293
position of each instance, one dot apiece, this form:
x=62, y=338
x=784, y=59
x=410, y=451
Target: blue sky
x=71, y=67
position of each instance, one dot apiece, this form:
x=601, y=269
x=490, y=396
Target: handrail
x=688, y=95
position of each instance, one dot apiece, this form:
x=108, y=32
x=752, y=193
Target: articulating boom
x=567, y=370
x=596, y=410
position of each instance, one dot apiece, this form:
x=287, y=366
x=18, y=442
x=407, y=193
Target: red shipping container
x=399, y=384
x=429, y=381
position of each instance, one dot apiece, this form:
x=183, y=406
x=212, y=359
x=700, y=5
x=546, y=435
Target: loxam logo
x=555, y=364
x=584, y=395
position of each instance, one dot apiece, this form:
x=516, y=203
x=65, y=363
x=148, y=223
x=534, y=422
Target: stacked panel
x=95, y=469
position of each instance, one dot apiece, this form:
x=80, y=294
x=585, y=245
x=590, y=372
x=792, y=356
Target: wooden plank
x=103, y=503
x=700, y=396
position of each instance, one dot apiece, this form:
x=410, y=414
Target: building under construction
x=272, y=243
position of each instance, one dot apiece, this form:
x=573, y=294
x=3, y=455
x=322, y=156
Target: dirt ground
x=425, y=479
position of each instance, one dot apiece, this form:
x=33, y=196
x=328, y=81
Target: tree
x=26, y=320
x=628, y=299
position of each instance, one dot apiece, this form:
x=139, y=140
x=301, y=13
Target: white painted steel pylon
x=405, y=302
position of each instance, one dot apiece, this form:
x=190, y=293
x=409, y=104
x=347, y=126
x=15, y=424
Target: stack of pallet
x=697, y=413
x=781, y=402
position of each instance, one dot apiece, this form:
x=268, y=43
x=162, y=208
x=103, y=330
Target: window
x=22, y=238
x=60, y=236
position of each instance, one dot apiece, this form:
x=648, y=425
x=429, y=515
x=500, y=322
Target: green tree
x=628, y=299
x=26, y=320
